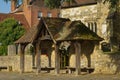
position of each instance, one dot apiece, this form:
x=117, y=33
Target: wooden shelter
x=56, y=30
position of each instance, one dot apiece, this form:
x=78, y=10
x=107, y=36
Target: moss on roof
x=70, y=30
x=60, y=29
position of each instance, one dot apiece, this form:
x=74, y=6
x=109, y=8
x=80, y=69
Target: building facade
x=33, y=10
x=98, y=17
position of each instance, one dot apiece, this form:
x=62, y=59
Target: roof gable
x=59, y=29
x=70, y=30
x=30, y=35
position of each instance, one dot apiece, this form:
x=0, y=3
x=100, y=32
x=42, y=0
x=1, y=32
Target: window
x=40, y=14
x=104, y=30
x=93, y=26
x=89, y=25
x=95, y=29
x=49, y=14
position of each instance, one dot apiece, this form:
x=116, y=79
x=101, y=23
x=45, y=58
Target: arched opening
x=64, y=54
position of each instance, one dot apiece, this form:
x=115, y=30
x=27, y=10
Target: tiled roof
x=77, y=3
x=69, y=30
x=85, y=1
x=59, y=29
x=30, y=34
x=18, y=17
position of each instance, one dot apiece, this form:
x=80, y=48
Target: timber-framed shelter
x=56, y=31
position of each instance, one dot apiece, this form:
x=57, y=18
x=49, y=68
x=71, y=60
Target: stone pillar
x=77, y=52
x=57, y=60
x=22, y=58
x=11, y=50
x=38, y=58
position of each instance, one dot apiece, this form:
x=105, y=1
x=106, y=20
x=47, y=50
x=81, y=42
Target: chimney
x=13, y=5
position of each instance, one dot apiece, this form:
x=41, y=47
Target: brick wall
x=31, y=11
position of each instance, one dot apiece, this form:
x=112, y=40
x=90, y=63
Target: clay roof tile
x=19, y=17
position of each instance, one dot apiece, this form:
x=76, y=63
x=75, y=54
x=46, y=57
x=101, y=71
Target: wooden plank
x=57, y=60
x=77, y=52
x=22, y=58
x=38, y=56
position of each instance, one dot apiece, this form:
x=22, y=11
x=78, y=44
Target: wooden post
x=77, y=52
x=33, y=58
x=57, y=60
x=22, y=58
x=38, y=56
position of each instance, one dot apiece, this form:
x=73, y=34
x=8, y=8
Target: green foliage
x=52, y=3
x=10, y=31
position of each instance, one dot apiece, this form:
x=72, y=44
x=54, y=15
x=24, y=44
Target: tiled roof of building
x=77, y=3
x=19, y=17
x=85, y=1
x=59, y=29
x=30, y=34
x=69, y=30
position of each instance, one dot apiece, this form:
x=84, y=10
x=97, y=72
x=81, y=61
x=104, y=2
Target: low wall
x=102, y=63
x=14, y=61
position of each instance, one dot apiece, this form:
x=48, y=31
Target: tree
x=52, y=3
x=10, y=31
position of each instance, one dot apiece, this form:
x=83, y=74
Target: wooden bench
x=45, y=68
x=85, y=69
x=70, y=69
x=3, y=67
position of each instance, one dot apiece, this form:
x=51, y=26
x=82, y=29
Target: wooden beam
x=38, y=58
x=57, y=60
x=22, y=58
x=33, y=57
x=49, y=32
x=77, y=52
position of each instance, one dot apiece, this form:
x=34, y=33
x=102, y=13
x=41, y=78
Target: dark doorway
x=64, y=59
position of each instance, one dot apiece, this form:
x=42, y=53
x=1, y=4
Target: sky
x=4, y=7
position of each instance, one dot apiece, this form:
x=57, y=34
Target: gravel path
x=47, y=76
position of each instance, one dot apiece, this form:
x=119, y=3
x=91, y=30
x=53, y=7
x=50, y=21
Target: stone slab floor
x=48, y=76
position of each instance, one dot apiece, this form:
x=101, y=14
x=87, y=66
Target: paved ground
x=46, y=76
